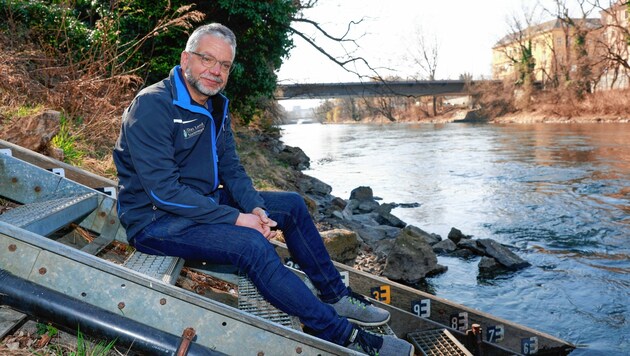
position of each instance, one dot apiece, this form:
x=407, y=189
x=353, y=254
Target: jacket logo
x=193, y=131
x=179, y=121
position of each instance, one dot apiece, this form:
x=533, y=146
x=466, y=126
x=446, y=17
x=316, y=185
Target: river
x=559, y=193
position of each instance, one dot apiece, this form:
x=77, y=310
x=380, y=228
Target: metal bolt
x=12, y=247
x=121, y=305
x=102, y=214
x=38, y=189
x=14, y=180
x=298, y=350
x=260, y=353
x=42, y=271
x=112, y=222
x=162, y=301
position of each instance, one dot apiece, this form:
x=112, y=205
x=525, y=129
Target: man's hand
x=259, y=221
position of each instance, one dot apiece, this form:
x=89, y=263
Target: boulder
x=488, y=266
x=385, y=217
x=471, y=245
x=444, y=247
x=431, y=239
x=462, y=253
x=366, y=206
x=34, y=132
x=411, y=258
x=314, y=186
x=342, y=245
x=295, y=157
x=371, y=235
x=502, y=254
x=456, y=235
x=362, y=194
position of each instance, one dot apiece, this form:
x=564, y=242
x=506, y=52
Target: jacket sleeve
x=233, y=175
x=148, y=126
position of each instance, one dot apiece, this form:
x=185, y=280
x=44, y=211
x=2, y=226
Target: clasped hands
x=259, y=221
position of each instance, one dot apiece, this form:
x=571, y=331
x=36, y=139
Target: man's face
x=202, y=80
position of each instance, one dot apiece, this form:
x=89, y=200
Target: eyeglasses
x=209, y=61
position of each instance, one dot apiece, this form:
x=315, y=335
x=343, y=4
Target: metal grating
x=437, y=342
x=164, y=268
x=250, y=300
x=26, y=214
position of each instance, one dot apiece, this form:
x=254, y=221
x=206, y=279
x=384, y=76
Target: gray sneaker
x=378, y=345
x=359, y=310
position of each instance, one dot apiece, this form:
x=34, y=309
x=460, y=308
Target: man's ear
x=183, y=59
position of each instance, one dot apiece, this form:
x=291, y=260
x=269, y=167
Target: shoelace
x=358, y=297
x=355, y=301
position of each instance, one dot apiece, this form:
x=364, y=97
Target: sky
x=464, y=30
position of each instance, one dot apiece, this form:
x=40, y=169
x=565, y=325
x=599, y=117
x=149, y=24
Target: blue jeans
x=247, y=249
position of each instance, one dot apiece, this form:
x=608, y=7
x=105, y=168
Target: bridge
x=376, y=88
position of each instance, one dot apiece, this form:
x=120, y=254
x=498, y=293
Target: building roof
x=589, y=23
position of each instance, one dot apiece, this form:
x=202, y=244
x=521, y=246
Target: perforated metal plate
x=46, y=217
x=250, y=300
x=437, y=342
x=164, y=268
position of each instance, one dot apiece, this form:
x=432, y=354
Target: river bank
x=522, y=117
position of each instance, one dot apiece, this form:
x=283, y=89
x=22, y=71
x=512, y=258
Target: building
x=549, y=46
x=615, y=36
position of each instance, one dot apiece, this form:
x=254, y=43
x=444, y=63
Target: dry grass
x=91, y=101
x=497, y=101
x=609, y=103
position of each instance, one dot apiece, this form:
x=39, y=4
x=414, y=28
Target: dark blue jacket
x=172, y=154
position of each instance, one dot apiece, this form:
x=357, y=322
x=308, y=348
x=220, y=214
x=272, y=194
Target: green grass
x=83, y=347
x=67, y=142
x=24, y=111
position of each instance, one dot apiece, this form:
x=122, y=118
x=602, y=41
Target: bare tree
x=614, y=43
x=517, y=48
x=347, y=41
x=581, y=46
x=425, y=55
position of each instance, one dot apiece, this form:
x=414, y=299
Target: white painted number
x=422, y=307
x=495, y=333
x=529, y=346
x=459, y=321
x=345, y=278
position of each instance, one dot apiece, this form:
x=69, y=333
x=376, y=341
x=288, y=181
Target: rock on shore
x=361, y=232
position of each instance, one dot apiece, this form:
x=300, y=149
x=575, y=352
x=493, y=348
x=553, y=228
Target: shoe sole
x=374, y=323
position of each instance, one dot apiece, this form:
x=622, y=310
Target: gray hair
x=211, y=29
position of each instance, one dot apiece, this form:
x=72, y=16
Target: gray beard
x=197, y=85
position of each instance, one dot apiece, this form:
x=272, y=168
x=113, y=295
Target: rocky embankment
x=363, y=233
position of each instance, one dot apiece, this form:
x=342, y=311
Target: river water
x=558, y=193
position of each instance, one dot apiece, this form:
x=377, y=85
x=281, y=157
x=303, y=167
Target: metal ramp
x=51, y=202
